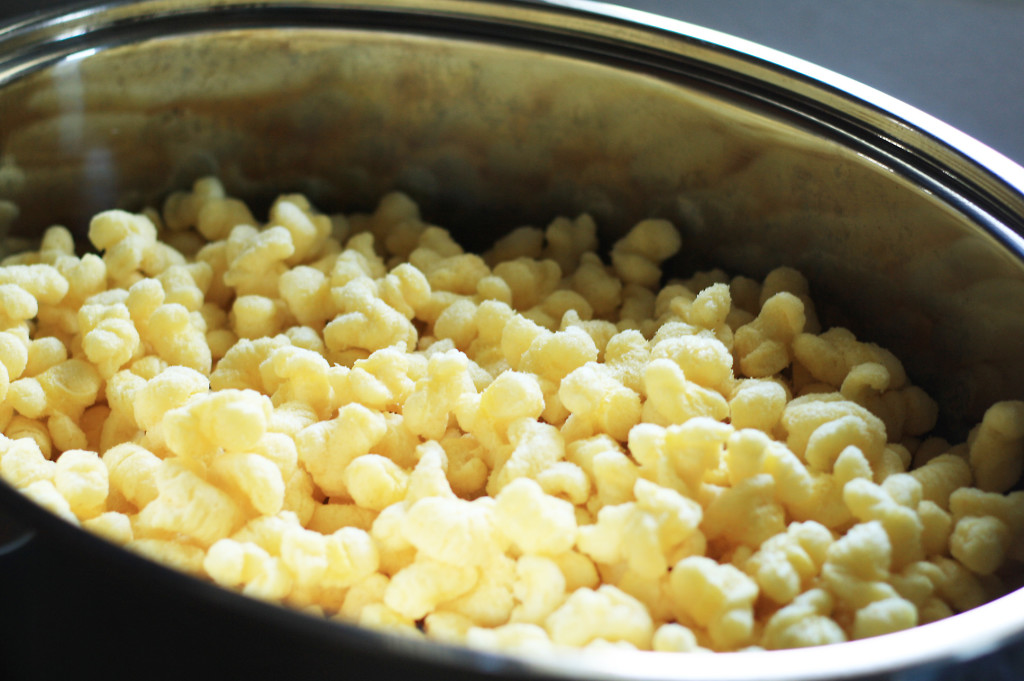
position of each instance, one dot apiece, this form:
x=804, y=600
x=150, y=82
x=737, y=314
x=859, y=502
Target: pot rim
x=959, y=639
x=854, y=108
x=974, y=177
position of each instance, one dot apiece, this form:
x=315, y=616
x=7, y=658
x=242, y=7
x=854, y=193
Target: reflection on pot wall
x=488, y=137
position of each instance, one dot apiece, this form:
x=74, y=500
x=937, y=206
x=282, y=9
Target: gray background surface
x=961, y=61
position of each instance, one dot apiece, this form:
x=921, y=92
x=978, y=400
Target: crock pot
x=493, y=115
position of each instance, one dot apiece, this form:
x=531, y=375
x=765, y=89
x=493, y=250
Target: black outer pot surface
x=493, y=115
x=75, y=608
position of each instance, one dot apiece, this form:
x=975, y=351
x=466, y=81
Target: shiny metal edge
x=982, y=176
x=906, y=125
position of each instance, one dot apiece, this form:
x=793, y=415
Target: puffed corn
x=533, y=448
